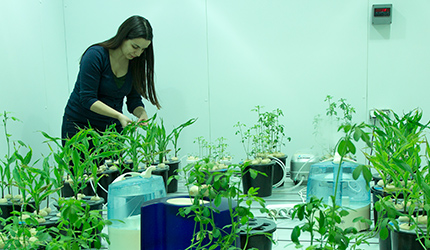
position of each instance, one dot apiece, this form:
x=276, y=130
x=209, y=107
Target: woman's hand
x=141, y=114
x=103, y=109
x=143, y=119
x=124, y=120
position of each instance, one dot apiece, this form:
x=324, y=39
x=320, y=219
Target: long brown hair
x=142, y=67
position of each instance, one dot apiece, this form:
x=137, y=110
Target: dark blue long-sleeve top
x=95, y=81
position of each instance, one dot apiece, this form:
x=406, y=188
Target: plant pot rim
x=17, y=203
x=272, y=162
x=86, y=199
x=413, y=231
x=258, y=226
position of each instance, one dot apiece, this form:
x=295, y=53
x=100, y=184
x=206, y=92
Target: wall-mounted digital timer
x=382, y=13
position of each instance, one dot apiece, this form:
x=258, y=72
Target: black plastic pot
x=278, y=172
x=163, y=172
x=401, y=240
x=377, y=192
x=67, y=191
x=376, y=177
x=257, y=239
x=9, y=207
x=94, y=205
x=173, y=168
x=261, y=181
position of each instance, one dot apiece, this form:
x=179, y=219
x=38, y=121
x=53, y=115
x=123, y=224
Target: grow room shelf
x=285, y=197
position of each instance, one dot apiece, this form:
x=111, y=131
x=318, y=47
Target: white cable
x=302, y=196
x=297, y=185
x=100, y=185
x=284, y=171
x=92, y=186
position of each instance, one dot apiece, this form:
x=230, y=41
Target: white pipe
x=284, y=171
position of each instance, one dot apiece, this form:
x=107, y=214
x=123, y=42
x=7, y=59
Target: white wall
x=216, y=60
x=399, y=60
x=33, y=70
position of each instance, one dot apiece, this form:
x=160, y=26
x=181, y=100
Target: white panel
x=287, y=55
x=33, y=70
x=399, y=59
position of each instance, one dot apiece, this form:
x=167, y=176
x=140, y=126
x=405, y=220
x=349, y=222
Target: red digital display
x=382, y=12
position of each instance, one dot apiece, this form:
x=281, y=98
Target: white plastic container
x=125, y=197
x=350, y=193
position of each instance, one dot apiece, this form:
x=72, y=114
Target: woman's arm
x=140, y=113
x=103, y=109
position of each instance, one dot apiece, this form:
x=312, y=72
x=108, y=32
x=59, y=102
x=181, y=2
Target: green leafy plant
x=149, y=144
x=214, y=152
x=35, y=182
x=163, y=138
x=16, y=232
x=399, y=143
x=79, y=226
x=177, y=131
x=213, y=187
x=337, y=114
x=113, y=145
x=6, y=177
x=323, y=220
x=134, y=144
x=265, y=137
x=78, y=158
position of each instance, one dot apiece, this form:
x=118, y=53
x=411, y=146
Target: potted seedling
x=163, y=139
x=109, y=145
x=213, y=157
x=325, y=127
x=62, y=162
x=75, y=160
x=37, y=184
x=173, y=162
x=101, y=149
x=154, y=145
x=214, y=154
x=262, y=142
x=79, y=227
x=10, y=202
x=322, y=220
x=221, y=196
x=74, y=150
x=176, y=132
x=133, y=155
x=400, y=192
x=220, y=150
x=259, y=171
x=17, y=232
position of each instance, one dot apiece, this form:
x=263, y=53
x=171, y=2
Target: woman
x=122, y=66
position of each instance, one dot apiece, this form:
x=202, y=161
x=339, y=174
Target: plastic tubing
x=284, y=170
x=100, y=185
x=92, y=186
x=297, y=185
